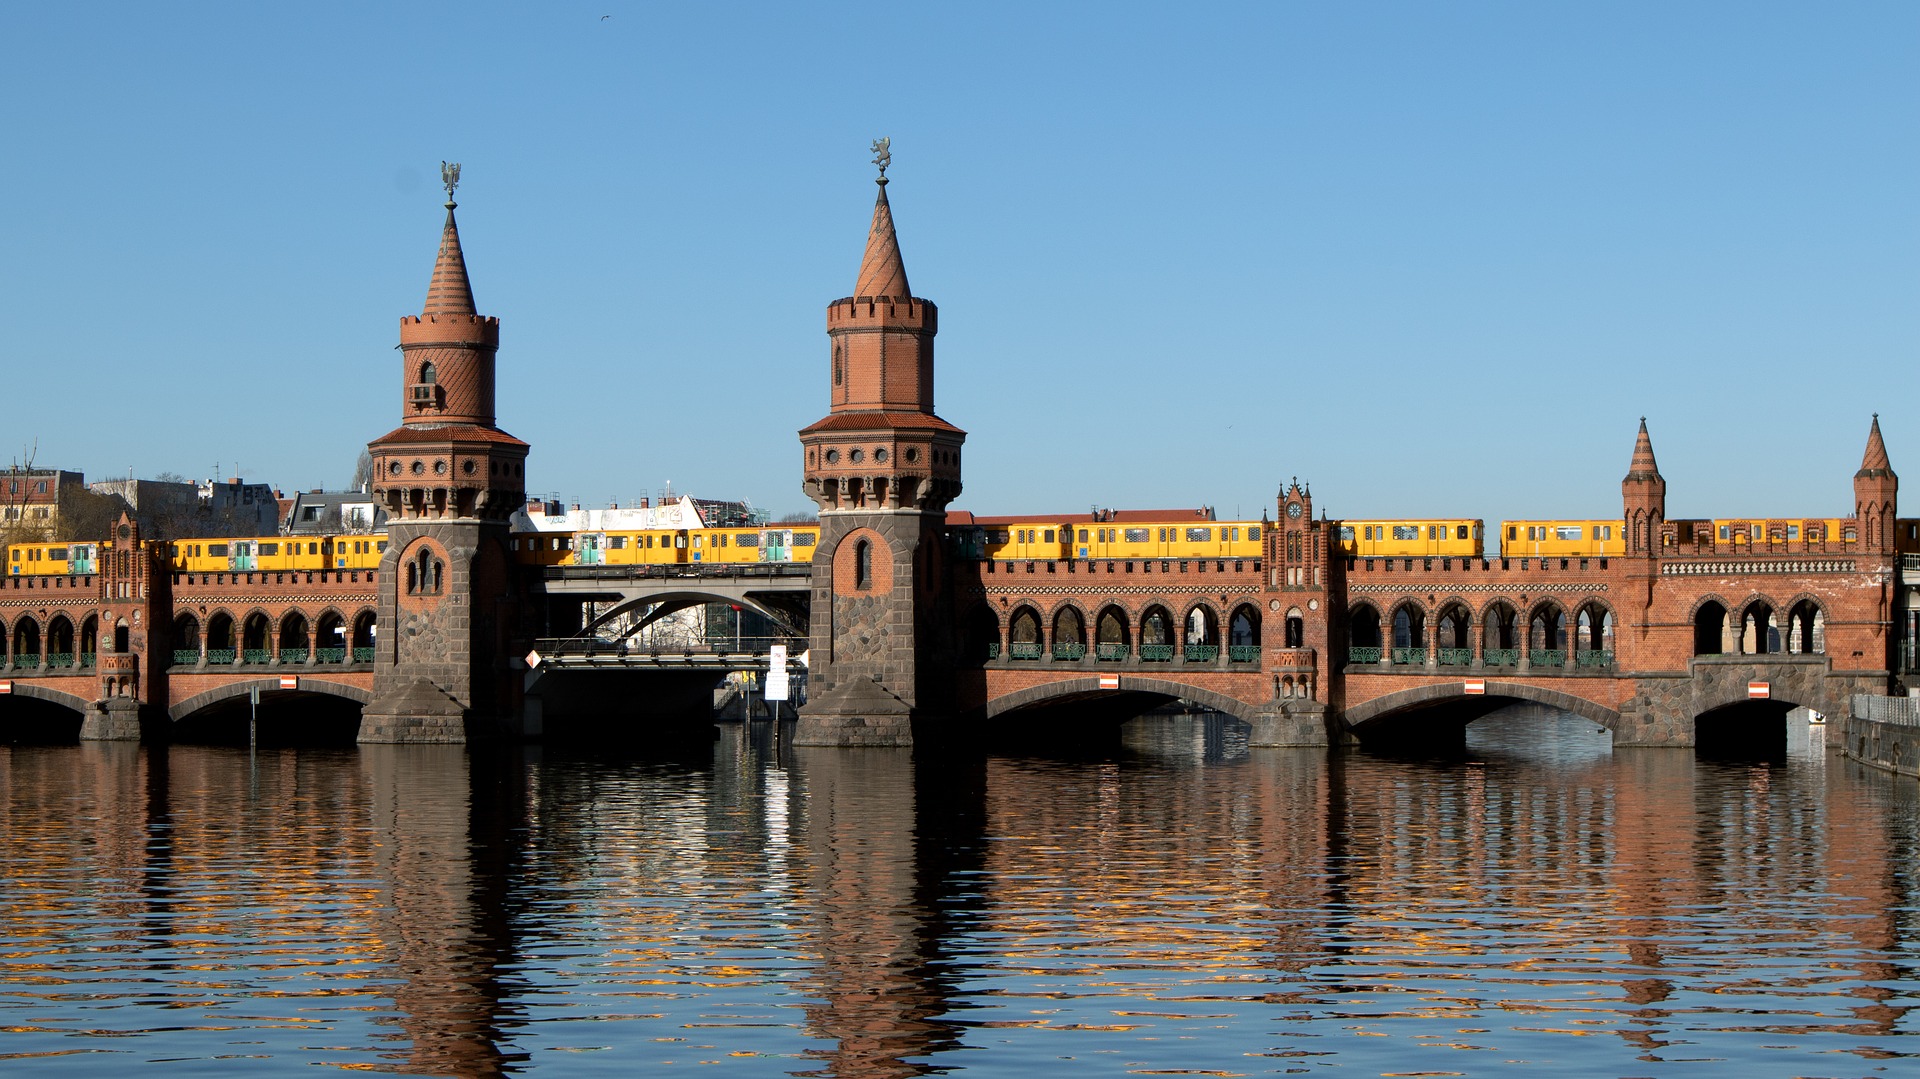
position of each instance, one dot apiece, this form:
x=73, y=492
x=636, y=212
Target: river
x=1170, y=902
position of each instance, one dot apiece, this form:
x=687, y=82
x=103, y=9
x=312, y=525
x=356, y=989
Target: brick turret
x=1876, y=494
x=1643, y=498
x=449, y=479
x=882, y=468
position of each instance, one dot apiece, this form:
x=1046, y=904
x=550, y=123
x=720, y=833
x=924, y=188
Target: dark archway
x=319, y=713
x=1112, y=641
x=186, y=640
x=1156, y=634
x=1547, y=635
x=1023, y=633
x=1709, y=629
x=220, y=639
x=1436, y=716
x=1743, y=730
x=1243, y=634
x=26, y=642
x=122, y=638
x=60, y=641
x=363, y=633
x=1806, y=628
x=254, y=637
x=1409, y=634
x=1759, y=636
x=1200, y=634
x=89, y=642
x=1069, y=634
x=295, y=639
x=1593, y=635
x=330, y=638
x=1453, y=636
x=1363, y=634
x=1499, y=641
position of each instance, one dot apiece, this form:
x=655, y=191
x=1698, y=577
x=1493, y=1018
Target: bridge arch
x=61, y=697
x=1086, y=688
x=668, y=602
x=241, y=687
x=1408, y=700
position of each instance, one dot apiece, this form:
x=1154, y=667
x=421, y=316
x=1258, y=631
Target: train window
x=216, y=550
x=1199, y=535
x=1512, y=532
x=1793, y=532
x=746, y=540
x=803, y=539
x=1346, y=533
x=313, y=548
x=1083, y=535
x=1406, y=532
x=1725, y=533
x=1461, y=533
x=1566, y=532
x=270, y=548
x=56, y=554
x=1049, y=536
x=1253, y=532
x=380, y=545
x=1136, y=535
x=618, y=543
x=1433, y=532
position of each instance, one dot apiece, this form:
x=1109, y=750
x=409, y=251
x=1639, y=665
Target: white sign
x=776, y=673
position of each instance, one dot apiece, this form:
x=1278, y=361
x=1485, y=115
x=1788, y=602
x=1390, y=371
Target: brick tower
x=882, y=468
x=449, y=479
x=1643, y=498
x=1297, y=643
x=1876, y=492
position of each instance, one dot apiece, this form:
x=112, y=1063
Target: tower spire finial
x=449, y=292
x=450, y=179
x=882, y=273
x=882, y=156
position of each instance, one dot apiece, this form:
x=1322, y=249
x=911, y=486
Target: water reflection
x=1173, y=903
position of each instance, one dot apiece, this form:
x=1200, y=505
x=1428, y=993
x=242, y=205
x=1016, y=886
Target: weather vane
x=882, y=156
x=450, y=176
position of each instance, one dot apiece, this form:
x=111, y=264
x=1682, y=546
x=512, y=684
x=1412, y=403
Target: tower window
x=863, y=564
x=427, y=374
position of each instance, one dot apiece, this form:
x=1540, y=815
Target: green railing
x=1410, y=656
x=59, y=659
x=365, y=655
x=1593, y=657
x=1110, y=652
x=1243, y=653
x=1454, y=657
x=294, y=655
x=255, y=655
x=1364, y=654
x=331, y=655
x=1069, y=650
x=86, y=660
x=1026, y=650
x=27, y=662
x=1547, y=657
x=186, y=657
x=1202, y=653
x=993, y=650
x=221, y=655
x=1156, y=653
x=1500, y=657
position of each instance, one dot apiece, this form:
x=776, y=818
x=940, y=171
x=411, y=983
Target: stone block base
x=875, y=730
x=116, y=721
x=418, y=713
x=1291, y=725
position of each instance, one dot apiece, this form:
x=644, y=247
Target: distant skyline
x=1436, y=260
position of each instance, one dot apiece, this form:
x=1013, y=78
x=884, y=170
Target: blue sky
x=1436, y=259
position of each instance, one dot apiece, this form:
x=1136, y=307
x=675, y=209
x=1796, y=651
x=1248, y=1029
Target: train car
x=1168, y=539
x=1423, y=538
x=60, y=559
x=542, y=548
x=741, y=545
x=1562, y=539
x=642, y=547
x=276, y=553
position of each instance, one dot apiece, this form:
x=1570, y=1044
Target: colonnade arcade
x=1545, y=634
x=1158, y=632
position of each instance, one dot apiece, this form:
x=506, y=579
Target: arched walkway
x=201, y=701
x=1074, y=689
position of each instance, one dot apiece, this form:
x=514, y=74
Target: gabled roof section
x=881, y=271
x=449, y=293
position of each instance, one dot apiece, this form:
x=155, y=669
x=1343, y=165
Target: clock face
x=1293, y=509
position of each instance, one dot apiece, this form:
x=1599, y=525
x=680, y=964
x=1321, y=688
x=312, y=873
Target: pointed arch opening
x=1201, y=634
x=1112, y=642
x=1156, y=634
x=1023, y=633
x=1710, y=629
x=221, y=645
x=1806, y=629
x=1759, y=636
x=1069, y=634
x=1409, y=634
x=1499, y=636
x=26, y=642
x=186, y=640
x=1243, y=634
x=296, y=641
x=256, y=635
x=1363, y=634
x=363, y=633
x=1453, y=636
x=1547, y=636
x=1593, y=635
x=60, y=641
x=981, y=641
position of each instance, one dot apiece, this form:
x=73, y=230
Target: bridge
x=1687, y=635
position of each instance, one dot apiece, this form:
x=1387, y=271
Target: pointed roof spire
x=881, y=271
x=1643, y=466
x=449, y=293
x=1874, y=462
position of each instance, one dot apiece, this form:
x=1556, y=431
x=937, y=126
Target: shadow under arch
x=1394, y=718
x=677, y=601
x=1136, y=693
x=269, y=689
x=32, y=713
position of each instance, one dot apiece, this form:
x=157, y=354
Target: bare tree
x=362, y=472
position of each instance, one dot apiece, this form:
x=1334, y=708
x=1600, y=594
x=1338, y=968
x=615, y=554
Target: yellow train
x=1012, y=539
x=52, y=559
x=666, y=546
x=1424, y=538
x=1562, y=539
x=271, y=553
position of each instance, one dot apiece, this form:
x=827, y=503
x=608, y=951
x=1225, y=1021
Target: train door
x=243, y=556
x=81, y=558
x=774, y=545
x=590, y=551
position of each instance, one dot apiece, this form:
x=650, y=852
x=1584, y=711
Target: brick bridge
x=1680, y=635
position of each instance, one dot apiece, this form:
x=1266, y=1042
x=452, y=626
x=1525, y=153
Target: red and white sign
x=1109, y=681
x=6, y=687
x=1759, y=690
x=289, y=681
x=1476, y=687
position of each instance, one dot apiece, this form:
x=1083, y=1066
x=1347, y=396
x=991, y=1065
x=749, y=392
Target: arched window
x=1363, y=627
x=1758, y=634
x=428, y=376
x=1806, y=628
x=863, y=564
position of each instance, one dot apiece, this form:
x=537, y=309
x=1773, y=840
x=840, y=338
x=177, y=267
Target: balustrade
x=1069, y=650
x=1243, y=653
x=1454, y=657
x=1202, y=653
x=1156, y=653
x=1110, y=652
